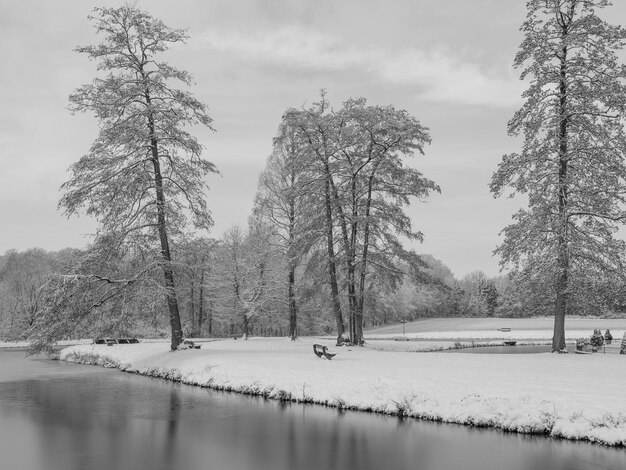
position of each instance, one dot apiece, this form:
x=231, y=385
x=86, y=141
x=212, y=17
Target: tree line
x=205, y=272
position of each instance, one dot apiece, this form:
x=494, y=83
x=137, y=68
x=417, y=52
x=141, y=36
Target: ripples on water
x=64, y=416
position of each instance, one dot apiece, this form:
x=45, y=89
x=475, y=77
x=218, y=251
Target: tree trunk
x=332, y=268
x=291, y=292
x=210, y=319
x=192, y=304
x=166, y=266
x=293, y=326
x=201, y=303
x=366, y=237
x=357, y=318
x=558, y=337
x=246, y=326
x=561, y=304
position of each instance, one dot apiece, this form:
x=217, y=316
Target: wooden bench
x=322, y=351
x=190, y=344
x=112, y=341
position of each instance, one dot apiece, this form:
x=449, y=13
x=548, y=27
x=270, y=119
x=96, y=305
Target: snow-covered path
x=571, y=396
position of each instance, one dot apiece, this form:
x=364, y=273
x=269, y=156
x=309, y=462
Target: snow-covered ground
x=563, y=395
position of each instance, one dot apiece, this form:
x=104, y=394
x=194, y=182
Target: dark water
x=521, y=349
x=63, y=416
x=517, y=349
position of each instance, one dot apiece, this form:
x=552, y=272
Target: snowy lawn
x=488, y=329
x=563, y=395
x=518, y=335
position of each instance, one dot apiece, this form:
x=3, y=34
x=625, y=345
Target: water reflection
x=79, y=417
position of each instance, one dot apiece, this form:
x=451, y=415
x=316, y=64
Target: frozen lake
x=60, y=416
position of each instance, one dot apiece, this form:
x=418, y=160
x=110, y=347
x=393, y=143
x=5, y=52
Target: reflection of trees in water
x=75, y=419
x=324, y=438
x=292, y=443
x=170, y=445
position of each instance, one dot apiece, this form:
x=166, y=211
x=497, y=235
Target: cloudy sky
x=448, y=63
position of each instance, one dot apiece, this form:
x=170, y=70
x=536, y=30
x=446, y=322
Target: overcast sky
x=448, y=63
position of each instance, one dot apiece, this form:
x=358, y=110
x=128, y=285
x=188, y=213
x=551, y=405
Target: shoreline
x=479, y=390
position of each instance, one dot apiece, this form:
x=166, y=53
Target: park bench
x=112, y=341
x=322, y=351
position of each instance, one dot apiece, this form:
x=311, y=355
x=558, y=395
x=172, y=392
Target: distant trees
x=247, y=280
x=571, y=165
x=143, y=177
x=195, y=263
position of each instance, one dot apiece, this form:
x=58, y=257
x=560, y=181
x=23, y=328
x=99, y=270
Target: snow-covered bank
x=24, y=344
x=570, y=396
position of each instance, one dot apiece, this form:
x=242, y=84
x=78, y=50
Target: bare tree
x=246, y=279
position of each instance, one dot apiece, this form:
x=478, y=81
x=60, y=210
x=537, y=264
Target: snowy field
x=519, y=326
x=446, y=333
x=562, y=395
x=520, y=335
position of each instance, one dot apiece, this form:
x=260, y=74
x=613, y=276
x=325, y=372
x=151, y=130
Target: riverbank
x=24, y=344
x=567, y=396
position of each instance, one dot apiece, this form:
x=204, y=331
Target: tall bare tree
x=144, y=174
x=571, y=166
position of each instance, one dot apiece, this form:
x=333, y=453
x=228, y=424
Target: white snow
x=563, y=395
